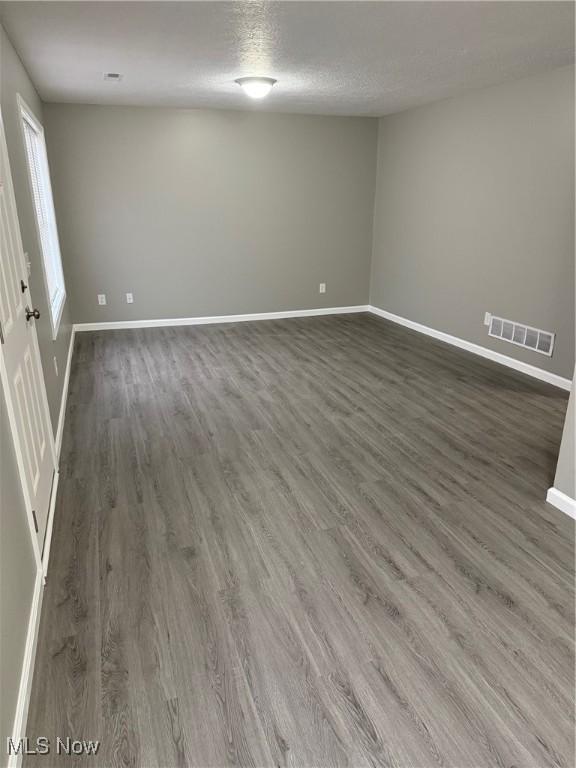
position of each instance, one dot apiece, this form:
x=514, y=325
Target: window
x=45, y=215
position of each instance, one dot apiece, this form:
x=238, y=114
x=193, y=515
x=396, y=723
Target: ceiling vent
x=522, y=335
x=113, y=77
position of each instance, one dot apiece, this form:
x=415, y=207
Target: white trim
x=496, y=357
x=27, y=673
x=59, y=433
x=56, y=316
x=50, y=525
x=26, y=113
x=62, y=415
x=561, y=501
x=115, y=325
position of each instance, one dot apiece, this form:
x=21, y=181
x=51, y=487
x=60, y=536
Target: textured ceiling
x=345, y=58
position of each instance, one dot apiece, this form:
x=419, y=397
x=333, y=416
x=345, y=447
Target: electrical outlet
x=322, y=288
x=129, y=298
x=487, y=318
x=102, y=299
x=55, y=364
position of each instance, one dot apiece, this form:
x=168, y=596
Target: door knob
x=31, y=313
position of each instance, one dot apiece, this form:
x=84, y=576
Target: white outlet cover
x=322, y=288
x=129, y=298
x=102, y=299
x=487, y=318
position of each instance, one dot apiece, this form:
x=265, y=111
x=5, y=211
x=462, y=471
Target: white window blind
x=45, y=214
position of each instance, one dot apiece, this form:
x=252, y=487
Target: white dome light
x=256, y=87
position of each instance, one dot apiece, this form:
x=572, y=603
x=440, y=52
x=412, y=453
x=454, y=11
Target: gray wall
x=17, y=566
x=565, y=479
x=474, y=212
x=14, y=80
x=211, y=212
x=17, y=575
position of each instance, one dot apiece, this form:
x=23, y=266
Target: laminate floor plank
x=310, y=543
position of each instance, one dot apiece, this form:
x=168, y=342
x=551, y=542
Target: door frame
x=37, y=548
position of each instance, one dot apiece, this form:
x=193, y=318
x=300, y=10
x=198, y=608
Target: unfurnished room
x=287, y=358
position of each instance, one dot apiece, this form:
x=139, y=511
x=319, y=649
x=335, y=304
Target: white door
x=20, y=366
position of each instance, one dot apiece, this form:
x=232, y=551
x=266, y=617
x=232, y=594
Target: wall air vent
x=522, y=335
x=113, y=77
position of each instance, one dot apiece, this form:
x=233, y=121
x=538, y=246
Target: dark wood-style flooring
x=309, y=542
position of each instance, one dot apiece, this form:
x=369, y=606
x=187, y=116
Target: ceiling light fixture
x=256, y=87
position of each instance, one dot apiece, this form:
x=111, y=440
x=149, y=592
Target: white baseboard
x=62, y=416
x=50, y=525
x=21, y=716
x=496, y=357
x=115, y=325
x=58, y=445
x=562, y=502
